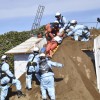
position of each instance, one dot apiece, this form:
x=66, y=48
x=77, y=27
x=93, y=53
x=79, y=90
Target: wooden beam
x=86, y=49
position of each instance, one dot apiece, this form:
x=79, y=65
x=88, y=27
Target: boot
x=19, y=94
x=28, y=88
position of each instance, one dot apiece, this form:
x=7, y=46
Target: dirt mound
x=76, y=80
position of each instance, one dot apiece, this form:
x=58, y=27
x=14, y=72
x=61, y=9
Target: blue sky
x=18, y=15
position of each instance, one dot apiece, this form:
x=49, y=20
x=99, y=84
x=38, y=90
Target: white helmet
x=58, y=14
x=4, y=57
x=42, y=55
x=36, y=49
x=73, y=22
x=56, y=22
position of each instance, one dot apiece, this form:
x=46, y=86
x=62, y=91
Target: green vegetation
x=11, y=39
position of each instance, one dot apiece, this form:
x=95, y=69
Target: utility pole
x=37, y=20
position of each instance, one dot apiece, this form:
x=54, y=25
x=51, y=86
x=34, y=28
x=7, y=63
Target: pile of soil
x=76, y=80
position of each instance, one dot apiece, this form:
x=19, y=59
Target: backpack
x=44, y=67
x=2, y=73
x=31, y=63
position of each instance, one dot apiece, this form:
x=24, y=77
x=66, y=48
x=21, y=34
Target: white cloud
x=20, y=8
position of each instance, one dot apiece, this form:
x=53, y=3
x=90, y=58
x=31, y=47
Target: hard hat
x=73, y=22
x=58, y=14
x=42, y=55
x=36, y=49
x=4, y=57
x=56, y=21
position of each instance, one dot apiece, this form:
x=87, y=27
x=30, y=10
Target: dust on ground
x=76, y=80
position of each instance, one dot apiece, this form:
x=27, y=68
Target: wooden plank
x=54, y=51
x=25, y=47
x=33, y=45
x=86, y=49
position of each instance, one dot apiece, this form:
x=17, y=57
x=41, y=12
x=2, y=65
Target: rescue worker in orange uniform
x=51, y=30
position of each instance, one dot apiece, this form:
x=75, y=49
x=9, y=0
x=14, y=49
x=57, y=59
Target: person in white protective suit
x=32, y=66
x=47, y=76
x=4, y=80
x=62, y=21
x=79, y=32
x=8, y=77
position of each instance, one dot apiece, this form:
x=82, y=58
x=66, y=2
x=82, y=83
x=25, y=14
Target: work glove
x=61, y=65
x=19, y=94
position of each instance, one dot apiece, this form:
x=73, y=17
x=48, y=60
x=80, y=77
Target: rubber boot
x=19, y=94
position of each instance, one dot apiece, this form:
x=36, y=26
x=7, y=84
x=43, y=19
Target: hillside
x=76, y=80
x=10, y=40
x=13, y=38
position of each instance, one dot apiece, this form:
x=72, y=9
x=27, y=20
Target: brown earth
x=76, y=80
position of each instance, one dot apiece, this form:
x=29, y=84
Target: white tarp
x=97, y=59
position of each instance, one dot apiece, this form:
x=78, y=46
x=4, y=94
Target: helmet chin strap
x=42, y=59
